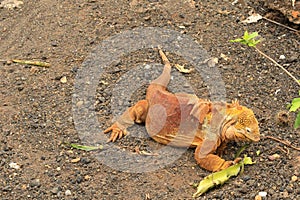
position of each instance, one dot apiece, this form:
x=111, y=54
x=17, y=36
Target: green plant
x=251, y=41
x=294, y=107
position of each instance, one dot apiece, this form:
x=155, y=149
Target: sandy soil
x=37, y=104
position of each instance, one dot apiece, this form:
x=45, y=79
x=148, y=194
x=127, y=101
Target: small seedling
x=251, y=41
x=248, y=39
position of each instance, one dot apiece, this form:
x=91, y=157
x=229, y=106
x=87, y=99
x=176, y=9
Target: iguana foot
x=117, y=133
x=227, y=164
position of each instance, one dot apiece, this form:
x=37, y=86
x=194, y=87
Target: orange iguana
x=184, y=120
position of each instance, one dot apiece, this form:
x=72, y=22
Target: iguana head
x=244, y=125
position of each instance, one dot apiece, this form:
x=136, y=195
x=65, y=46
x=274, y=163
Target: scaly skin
x=184, y=120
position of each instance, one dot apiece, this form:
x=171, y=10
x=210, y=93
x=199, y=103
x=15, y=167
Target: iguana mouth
x=254, y=138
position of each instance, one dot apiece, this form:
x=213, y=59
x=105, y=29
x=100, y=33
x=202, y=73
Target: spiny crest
x=246, y=118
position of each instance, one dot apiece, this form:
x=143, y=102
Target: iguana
x=184, y=120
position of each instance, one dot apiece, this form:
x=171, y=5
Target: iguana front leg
x=134, y=114
x=212, y=162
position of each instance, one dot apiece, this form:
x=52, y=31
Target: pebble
x=63, y=79
x=294, y=178
x=85, y=160
x=147, y=66
x=79, y=103
x=54, y=44
x=281, y=57
x=262, y=194
x=79, y=179
x=75, y=160
x=14, y=165
x=87, y=177
x=285, y=194
x=35, y=183
x=68, y=192
x=55, y=190
x=246, y=178
x=258, y=197
x=274, y=157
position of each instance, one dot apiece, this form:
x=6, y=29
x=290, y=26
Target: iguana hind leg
x=134, y=114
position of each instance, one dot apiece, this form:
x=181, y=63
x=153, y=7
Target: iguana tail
x=165, y=77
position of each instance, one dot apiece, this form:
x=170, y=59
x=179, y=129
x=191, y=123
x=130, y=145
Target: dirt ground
x=36, y=109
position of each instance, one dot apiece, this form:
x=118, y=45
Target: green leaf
x=295, y=104
x=85, y=148
x=252, y=35
x=236, y=40
x=297, y=121
x=218, y=178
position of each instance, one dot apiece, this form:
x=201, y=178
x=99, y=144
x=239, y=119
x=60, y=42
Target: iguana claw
x=117, y=133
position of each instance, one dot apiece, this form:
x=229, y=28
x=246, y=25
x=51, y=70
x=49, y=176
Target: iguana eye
x=248, y=130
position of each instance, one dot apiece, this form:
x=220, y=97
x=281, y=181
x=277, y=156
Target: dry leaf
x=182, y=69
x=252, y=18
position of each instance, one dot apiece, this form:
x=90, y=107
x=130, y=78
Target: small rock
x=294, y=178
x=246, y=178
x=6, y=188
x=274, y=157
x=79, y=179
x=285, y=194
x=258, y=197
x=281, y=57
x=14, y=165
x=11, y=4
x=85, y=161
x=147, y=18
x=87, y=177
x=289, y=189
x=55, y=190
x=79, y=103
x=75, y=160
x=63, y=79
x=35, y=183
x=262, y=194
x=171, y=189
x=54, y=44
x=147, y=66
x=68, y=192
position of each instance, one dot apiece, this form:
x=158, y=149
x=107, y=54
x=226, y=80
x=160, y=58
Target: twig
x=287, y=143
x=280, y=24
x=29, y=62
x=277, y=64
